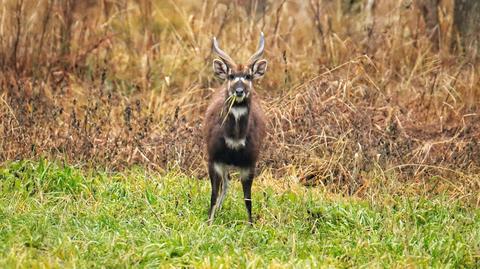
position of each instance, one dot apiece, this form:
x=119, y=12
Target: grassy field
x=53, y=215
x=371, y=157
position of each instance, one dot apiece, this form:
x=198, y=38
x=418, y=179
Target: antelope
x=234, y=126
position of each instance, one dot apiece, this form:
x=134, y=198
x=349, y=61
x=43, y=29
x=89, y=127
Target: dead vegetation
x=352, y=95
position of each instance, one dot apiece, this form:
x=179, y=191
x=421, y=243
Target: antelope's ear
x=220, y=69
x=259, y=68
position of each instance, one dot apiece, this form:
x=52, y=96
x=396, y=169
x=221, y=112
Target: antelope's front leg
x=215, y=183
x=225, y=178
x=246, y=175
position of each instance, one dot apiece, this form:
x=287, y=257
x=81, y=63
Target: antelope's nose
x=239, y=91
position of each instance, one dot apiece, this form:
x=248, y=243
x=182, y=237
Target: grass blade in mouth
x=230, y=99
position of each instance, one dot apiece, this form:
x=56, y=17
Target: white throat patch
x=238, y=112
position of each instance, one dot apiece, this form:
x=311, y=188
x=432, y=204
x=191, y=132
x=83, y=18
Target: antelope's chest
x=238, y=153
x=235, y=148
x=236, y=126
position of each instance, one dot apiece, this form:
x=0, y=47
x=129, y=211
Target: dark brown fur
x=234, y=134
x=250, y=126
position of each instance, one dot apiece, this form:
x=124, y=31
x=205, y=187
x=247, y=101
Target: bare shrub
x=350, y=96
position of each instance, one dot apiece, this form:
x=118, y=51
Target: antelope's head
x=239, y=77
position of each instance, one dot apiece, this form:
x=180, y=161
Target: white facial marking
x=238, y=112
x=235, y=143
x=242, y=79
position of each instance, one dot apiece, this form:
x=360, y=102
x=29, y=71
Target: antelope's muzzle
x=239, y=92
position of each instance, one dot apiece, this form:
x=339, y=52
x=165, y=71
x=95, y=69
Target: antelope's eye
x=231, y=77
x=248, y=77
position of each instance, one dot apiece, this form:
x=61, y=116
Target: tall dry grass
x=355, y=95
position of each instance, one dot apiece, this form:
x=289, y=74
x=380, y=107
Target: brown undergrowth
x=355, y=99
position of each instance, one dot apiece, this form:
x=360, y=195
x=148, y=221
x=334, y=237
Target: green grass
x=53, y=215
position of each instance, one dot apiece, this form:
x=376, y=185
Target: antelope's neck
x=236, y=124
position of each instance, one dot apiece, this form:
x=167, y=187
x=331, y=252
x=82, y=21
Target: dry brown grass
x=356, y=101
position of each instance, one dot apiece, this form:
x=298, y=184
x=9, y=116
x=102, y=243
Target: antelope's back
x=257, y=122
x=212, y=115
